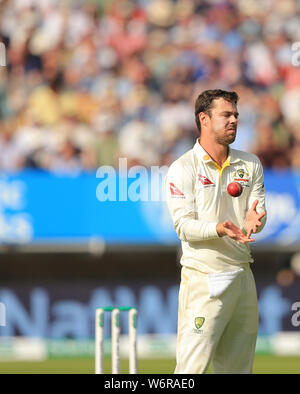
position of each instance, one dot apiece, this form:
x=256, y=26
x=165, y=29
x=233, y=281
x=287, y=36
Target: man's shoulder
x=245, y=156
x=184, y=160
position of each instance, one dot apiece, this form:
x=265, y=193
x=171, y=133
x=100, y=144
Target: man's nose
x=233, y=119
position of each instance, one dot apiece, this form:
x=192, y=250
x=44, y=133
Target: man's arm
x=179, y=188
x=256, y=215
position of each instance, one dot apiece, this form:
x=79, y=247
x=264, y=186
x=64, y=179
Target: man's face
x=223, y=121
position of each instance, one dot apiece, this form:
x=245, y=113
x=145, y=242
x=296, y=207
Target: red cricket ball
x=235, y=189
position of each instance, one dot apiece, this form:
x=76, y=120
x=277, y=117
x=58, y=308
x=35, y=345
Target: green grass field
x=264, y=364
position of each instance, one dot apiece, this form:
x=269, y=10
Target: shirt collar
x=201, y=152
x=233, y=156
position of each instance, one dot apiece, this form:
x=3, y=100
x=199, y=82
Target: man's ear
x=203, y=117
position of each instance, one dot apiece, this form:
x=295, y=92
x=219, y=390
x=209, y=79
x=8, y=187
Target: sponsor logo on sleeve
x=175, y=192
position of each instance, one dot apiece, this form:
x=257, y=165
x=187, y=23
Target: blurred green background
x=263, y=364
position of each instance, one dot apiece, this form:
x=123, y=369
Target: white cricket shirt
x=197, y=198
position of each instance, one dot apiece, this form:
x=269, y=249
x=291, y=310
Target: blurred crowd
x=90, y=81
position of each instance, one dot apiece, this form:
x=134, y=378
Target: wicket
x=115, y=338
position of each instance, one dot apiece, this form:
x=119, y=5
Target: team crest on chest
x=241, y=173
x=242, y=176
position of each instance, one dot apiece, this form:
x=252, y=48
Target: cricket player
x=218, y=313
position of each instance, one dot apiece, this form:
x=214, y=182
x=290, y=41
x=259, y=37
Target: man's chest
x=211, y=184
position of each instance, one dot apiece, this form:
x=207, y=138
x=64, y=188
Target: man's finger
x=261, y=215
x=254, y=205
x=249, y=239
x=244, y=241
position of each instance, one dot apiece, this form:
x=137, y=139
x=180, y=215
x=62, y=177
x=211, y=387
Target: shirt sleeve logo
x=175, y=191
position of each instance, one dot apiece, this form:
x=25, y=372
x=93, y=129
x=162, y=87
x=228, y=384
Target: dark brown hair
x=204, y=102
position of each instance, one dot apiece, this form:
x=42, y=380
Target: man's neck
x=217, y=152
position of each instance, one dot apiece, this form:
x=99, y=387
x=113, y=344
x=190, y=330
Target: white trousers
x=217, y=322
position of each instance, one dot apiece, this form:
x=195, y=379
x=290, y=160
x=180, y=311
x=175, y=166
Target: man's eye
x=228, y=115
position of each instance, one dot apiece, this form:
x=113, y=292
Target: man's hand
x=253, y=219
x=232, y=231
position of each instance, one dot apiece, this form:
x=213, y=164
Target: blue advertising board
x=39, y=207
x=67, y=309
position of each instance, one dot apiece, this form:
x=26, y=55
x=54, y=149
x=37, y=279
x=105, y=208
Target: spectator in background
x=139, y=64
x=107, y=146
x=11, y=158
x=68, y=159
